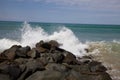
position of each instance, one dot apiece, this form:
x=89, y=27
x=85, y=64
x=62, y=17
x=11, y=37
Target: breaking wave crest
x=31, y=35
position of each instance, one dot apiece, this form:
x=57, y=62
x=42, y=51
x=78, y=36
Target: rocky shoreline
x=48, y=62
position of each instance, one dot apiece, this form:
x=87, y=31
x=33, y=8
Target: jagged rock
x=22, y=52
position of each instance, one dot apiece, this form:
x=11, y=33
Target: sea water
x=103, y=41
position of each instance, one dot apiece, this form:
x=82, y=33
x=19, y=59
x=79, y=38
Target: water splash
x=31, y=35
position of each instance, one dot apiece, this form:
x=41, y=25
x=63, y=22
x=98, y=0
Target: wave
x=106, y=52
x=31, y=35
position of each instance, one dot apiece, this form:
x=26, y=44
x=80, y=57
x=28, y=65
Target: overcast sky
x=61, y=11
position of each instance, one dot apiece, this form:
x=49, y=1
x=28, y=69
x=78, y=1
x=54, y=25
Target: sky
x=61, y=11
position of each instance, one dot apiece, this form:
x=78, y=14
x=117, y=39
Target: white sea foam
x=30, y=36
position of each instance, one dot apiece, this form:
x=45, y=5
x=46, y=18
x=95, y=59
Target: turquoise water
x=85, y=32
x=103, y=41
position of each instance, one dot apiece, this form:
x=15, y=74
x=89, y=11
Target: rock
x=57, y=67
x=22, y=52
x=70, y=59
x=98, y=68
x=47, y=75
x=85, y=61
x=39, y=43
x=4, y=67
x=48, y=62
x=9, y=54
x=46, y=46
x=33, y=53
x=58, y=57
x=4, y=77
x=14, y=71
x=31, y=67
x=21, y=60
x=73, y=75
x=54, y=43
x=42, y=50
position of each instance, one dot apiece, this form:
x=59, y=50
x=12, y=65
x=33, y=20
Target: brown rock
x=9, y=54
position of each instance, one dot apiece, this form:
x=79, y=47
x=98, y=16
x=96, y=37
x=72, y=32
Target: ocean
x=103, y=41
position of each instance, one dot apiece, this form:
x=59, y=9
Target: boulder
x=70, y=58
x=14, y=71
x=54, y=43
x=47, y=75
x=58, y=57
x=33, y=53
x=4, y=77
x=56, y=67
x=42, y=50
x=22, y=52
x=95, y=66
x=9, y=54
x=39, y=43
x=31, y=67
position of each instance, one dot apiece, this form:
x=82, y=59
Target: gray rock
x=47, y=75
x=22, y=52
x=4, y=77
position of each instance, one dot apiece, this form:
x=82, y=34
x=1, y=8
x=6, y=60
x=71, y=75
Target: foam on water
x=30, y=36
x=109, y=54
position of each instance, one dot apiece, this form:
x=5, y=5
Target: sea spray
x=31, y=35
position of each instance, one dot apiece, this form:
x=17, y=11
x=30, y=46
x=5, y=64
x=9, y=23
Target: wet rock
x=22, y=52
